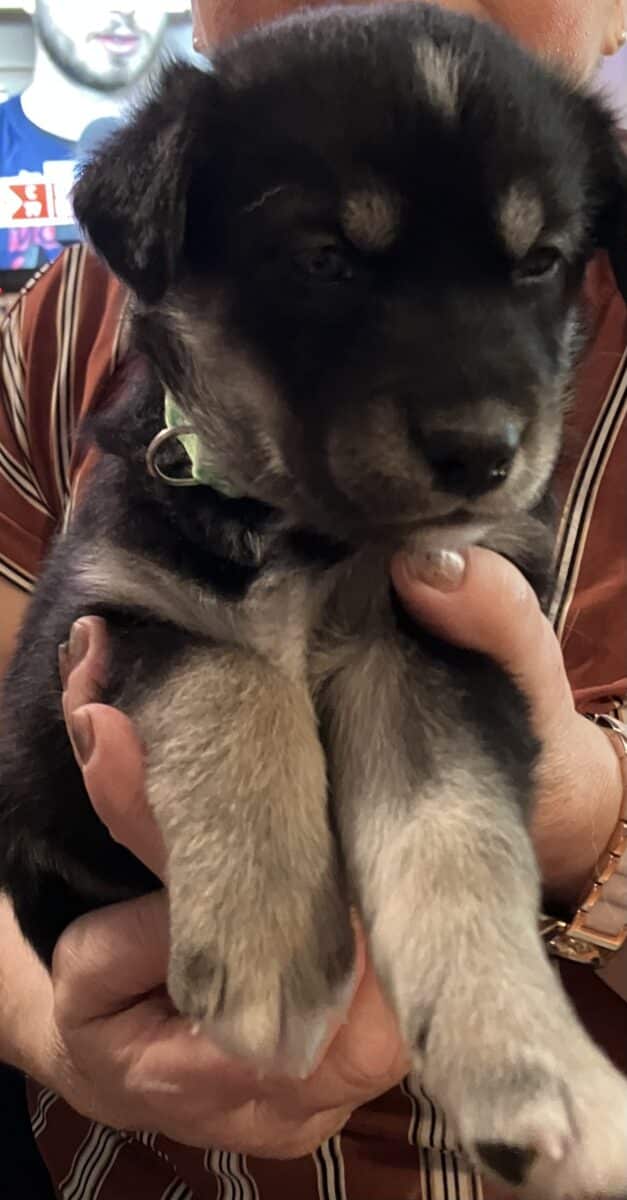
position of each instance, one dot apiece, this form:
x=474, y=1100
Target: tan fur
x=275, y=623
x=259, y=925
x=439, y=69
x=438, y=861
x=448, y=890
x=371, y=218
x=520, y=218
x=302, y=701
x=372, y=455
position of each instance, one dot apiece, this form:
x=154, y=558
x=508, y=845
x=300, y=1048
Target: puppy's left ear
x=612, y=235
x=132, y=196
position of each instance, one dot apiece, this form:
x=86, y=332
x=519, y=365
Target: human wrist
x=26, y=1004
x=572, y=830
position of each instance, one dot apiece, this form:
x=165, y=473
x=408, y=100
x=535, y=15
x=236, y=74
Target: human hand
x=124, y=1056
x=484, y=603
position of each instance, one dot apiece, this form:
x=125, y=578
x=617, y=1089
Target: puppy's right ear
x=615, y=226
x=610, y=232
x=131, y=197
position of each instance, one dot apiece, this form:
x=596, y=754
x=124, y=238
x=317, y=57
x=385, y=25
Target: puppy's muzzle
x=470, y=464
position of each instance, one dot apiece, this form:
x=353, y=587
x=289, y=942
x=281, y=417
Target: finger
x=369, y=1049
x=493, y=610
x=112, y=760
x=366, y=1058
x=109, y=969
x=108, y=958
x=83, y=662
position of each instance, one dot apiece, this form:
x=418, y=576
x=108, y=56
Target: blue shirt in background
x=26, y=147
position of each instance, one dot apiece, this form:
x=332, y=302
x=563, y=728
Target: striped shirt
x=61, y=343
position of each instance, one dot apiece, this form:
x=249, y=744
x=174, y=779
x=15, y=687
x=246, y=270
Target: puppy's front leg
x=437, y=851
x=261, y=941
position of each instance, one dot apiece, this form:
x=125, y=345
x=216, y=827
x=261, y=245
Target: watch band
x=599, y=926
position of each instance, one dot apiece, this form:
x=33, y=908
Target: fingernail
x=443, y=570
x=64, y=664
x=72, y=652
x=82, y=733
x=78, y=644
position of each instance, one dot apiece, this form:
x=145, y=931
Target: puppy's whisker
x=263, y=199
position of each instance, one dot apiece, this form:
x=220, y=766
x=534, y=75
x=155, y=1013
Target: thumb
x=112, y=760
x=482, y=601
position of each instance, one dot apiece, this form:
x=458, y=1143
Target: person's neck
x=59, y=105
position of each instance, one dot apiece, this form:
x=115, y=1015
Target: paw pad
x=512, y=1163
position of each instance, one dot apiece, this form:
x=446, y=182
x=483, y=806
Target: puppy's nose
x=469, y=464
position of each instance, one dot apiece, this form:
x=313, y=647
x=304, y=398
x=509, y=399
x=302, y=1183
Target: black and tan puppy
x=356, y=249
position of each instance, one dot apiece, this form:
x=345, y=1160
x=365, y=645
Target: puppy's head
x=357, y=246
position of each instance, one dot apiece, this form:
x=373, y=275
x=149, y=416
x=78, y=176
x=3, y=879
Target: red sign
x=36, y=200
x=34, y=204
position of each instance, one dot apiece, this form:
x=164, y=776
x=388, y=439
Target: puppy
x=355, y=249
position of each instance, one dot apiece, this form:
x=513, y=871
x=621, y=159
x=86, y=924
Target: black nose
x=469, y=464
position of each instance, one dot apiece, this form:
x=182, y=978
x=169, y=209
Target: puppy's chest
x=314, y=624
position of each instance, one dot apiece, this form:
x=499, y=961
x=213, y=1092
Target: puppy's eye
x=540, y=265
x=325, y=264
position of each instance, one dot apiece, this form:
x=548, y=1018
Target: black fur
x=323, y=103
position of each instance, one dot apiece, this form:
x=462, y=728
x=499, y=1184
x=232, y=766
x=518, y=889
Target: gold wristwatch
x=599, y=927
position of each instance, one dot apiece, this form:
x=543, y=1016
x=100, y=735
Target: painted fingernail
x=82, y=733
x=443, y=570
x=64, y=664
x=78, y=644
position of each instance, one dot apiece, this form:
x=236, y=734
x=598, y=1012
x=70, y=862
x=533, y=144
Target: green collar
x=201, y=470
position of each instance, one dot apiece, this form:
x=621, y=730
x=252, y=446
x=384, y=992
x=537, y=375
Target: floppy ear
x=131, y=197
x=616, y=235
x=612, y=232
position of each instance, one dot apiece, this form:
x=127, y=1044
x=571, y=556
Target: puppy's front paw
x=266, y=989
x=532, y=1099
x=562, y=1134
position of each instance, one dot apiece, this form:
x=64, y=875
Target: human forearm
x=26, y=1023
x=13, y=604
x=25, y=989
x=571, y=833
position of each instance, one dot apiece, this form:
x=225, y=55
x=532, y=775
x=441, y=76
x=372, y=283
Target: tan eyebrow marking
x=371, y=218
x=521, y=218
x=439, y=69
